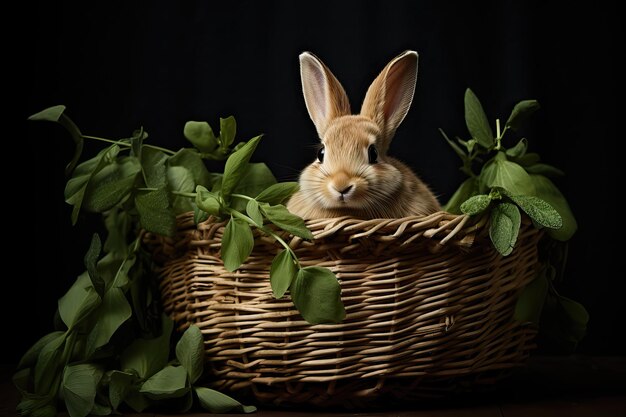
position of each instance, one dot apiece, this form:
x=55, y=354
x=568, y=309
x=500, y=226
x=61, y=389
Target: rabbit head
x=353, y=175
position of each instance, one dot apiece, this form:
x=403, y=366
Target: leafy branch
x=111, y=344
x=492, y=167
x=504, y=180
x=286, y=273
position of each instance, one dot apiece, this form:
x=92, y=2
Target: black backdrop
x=120, y=66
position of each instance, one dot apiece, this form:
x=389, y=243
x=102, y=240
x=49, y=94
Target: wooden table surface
x=571, y=386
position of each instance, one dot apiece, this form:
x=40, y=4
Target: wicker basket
x=429, y=307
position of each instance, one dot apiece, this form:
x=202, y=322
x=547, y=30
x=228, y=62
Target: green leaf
x=190, y=159
x=111, y=314
x=79, y=301
x=282, y=273
x=256, y=178
x=237, y=243
x=100, y=410
x=283, y=218
x=577, y=316
x=136, y=142
x=111, y=184
x=216, y=402
x=538, y=210
x=137, y=401
x=77, y=185
x=469, y=145
x=201, y=136
x=504, y=227
x=190, y=352
x=30, y=357
x=476, y=204
x=316, y=294
x=119, y=386
x=169, y=382
x=236, y=166
x=216, y=181
x=199, y=215
x=118, y=224
x=47, y=411
x=147, y=356
x=544, y=169
x=530, y=302
x=228, y=130
x=57, y=114
x=207, y=201
x=91, y=260
x=49, y=364
x=277, y=193
x=528, y=159
x=155, y=212
x=180, y=179
x=563, y=320
x=254, y=212
x=51, y=114
x=79, y=388
x=518, y=150
x=183, y=404
x=547, y=191
x=21, y=379
x=468, y=188
x=37, y=406
x=522, y=111
x=153, y=164
x=114, y=269
x=144, y=295
x=476, y=120
x=506, y=174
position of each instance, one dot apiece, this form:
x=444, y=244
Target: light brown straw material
x=429, y=307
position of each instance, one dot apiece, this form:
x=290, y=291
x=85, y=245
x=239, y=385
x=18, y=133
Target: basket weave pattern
x=429, y=308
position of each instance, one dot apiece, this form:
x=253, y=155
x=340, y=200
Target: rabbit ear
x=389, y=97
x=324, y=96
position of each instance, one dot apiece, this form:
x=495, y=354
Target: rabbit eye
x=372, y=154
x=320, y=154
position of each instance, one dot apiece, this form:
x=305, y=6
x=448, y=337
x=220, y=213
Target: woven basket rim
x=440, y=227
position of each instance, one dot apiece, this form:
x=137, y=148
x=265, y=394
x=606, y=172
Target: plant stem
x=498, y=135
x=285, y=245
x=504, y=131
x=180, y=193
x=117, y=142
x=244, y=197
x=158, y=148
x=127, y=145
x=184, y=194
x=134, y=247
x=243, y=217
x=265, y=230
x=467, y=168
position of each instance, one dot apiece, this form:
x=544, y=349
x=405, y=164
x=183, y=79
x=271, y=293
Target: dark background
x=118, y=66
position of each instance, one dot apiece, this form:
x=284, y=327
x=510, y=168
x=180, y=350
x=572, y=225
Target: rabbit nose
x=341, y=184
x=345, y=190
x=342, y=188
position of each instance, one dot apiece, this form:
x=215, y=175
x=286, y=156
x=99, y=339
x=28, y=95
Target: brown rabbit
x=353, y=175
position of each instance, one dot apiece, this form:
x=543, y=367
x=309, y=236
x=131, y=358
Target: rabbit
x=353, y=175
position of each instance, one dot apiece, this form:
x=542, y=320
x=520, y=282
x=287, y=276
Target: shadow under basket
x=429, y=310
